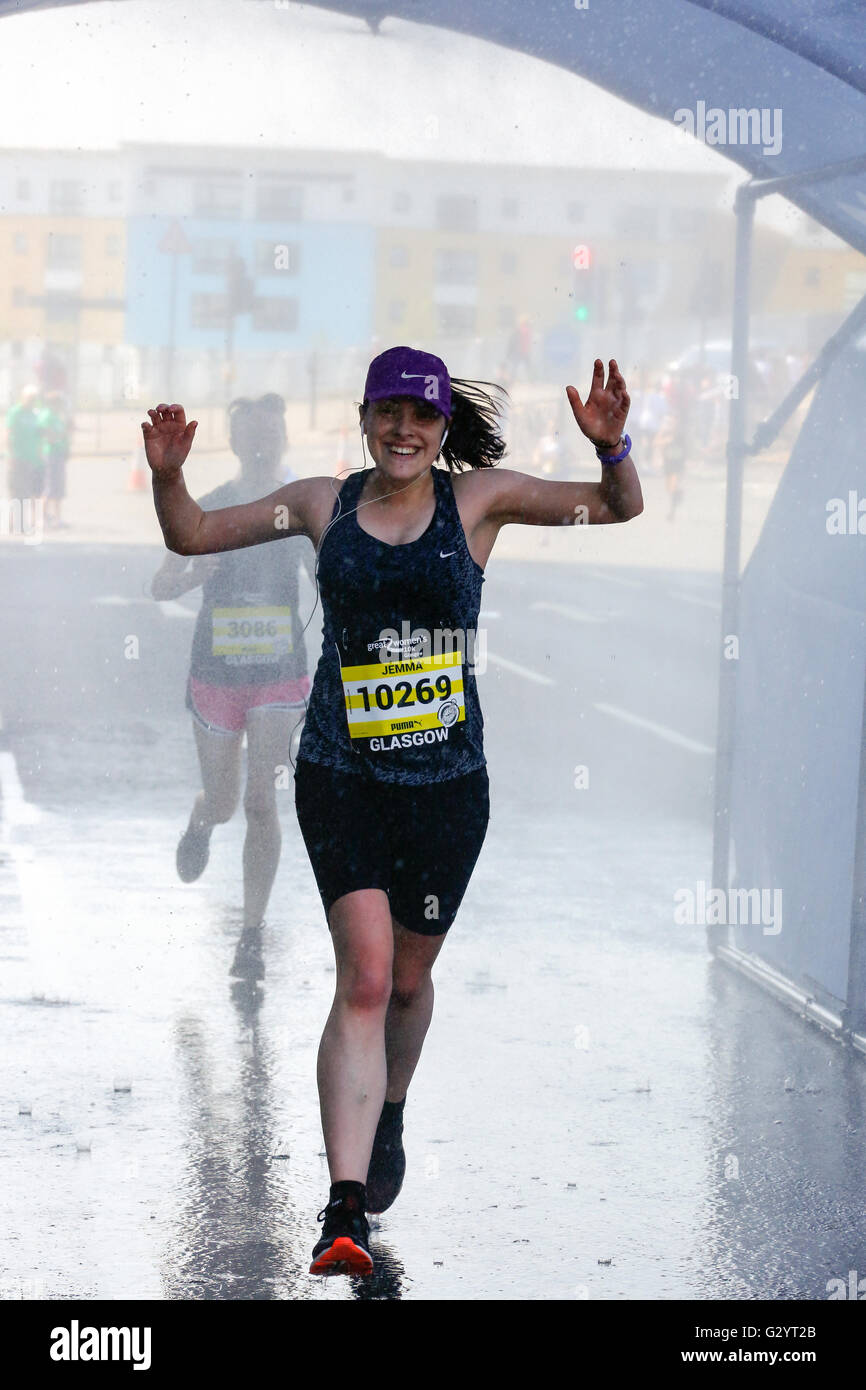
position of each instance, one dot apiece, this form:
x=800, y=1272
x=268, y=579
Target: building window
x=576, y=212
x=275, y=314
x=397, y=311
x=63, y=252
x=65, y=196
x=279, y=202
x=210, y=255
x=60, y=310
x=115, y=189
x=20, y=244
x=278, y=257
x=454, y=267
x=208, y=310
x=505, y=316
x=348, y=193
x=402, y=202
x=638, y=220
x=217, y=198
x=456, y=320
x=456, y=213
x=23, y=189
x=112, y=244
x=19, y=297
x=508, y=262
x=510, y=207
x=398, y=257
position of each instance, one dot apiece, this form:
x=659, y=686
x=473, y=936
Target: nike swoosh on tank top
x=394, y=695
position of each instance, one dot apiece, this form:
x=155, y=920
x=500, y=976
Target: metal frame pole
x=854, y=1013
x=744, y=208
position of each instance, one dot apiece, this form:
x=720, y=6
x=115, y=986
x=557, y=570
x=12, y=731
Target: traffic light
x=582, y=288
x=240, y=289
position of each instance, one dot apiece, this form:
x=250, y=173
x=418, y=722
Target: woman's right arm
x=186, y=527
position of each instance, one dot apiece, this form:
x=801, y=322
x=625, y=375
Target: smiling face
x=403, y=435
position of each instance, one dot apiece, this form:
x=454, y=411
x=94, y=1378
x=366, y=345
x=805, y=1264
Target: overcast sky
x=248, y=73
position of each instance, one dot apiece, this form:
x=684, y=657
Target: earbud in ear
x=363, y=428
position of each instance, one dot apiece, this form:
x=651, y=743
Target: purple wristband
x=615, y=458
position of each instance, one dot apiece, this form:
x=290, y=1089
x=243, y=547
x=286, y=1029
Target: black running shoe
x=193, y=851
x=387, y=1163
x=249, y=961
x=343, y=1248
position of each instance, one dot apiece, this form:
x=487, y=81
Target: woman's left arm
x=529, y=501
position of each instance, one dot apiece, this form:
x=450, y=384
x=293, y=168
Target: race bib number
x=243, y=635
x=396, y=697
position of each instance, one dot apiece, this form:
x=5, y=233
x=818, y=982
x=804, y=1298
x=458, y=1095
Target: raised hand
x=602, y=418
x=167, y=439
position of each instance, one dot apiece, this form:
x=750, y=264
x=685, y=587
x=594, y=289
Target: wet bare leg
x=410, y=1007
x=351, y=1067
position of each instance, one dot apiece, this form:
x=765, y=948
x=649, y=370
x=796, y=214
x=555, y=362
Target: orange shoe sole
x=343, y=1257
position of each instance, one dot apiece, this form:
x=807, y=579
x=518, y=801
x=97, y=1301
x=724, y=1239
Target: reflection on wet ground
x=600, y=1112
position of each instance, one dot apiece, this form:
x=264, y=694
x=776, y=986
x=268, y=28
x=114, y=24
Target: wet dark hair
x=474, y=440
x=245, y=406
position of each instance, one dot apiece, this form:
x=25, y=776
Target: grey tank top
x=394, y=696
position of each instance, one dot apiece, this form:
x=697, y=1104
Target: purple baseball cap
x=405, y=371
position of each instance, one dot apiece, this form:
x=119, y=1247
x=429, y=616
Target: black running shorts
x=419, y=844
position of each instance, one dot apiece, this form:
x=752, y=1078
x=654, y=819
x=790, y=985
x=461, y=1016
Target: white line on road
x=610, y=578
x=169, y=606
x=701, y=602
x=577, y=615
x=172, y=609
x=660, y=730
x=519, y=670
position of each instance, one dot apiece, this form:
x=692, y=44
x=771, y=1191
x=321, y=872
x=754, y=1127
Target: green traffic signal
x=581, y=312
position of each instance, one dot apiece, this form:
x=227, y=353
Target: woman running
x=248, y=671
x=391, y=783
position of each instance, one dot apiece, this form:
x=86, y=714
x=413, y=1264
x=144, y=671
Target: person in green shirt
x=26, y=475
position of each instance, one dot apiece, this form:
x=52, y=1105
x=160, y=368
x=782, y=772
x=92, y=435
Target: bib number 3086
x=404, y=696
x=252, y=633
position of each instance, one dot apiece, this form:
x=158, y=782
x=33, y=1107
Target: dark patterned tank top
x=394, y=695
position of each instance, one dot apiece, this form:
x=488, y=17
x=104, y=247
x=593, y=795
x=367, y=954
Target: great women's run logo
x=418, y=642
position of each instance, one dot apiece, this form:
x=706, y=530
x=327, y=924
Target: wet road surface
x=599, y=1112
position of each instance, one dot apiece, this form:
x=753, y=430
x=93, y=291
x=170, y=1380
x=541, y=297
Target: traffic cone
x=137, y=480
